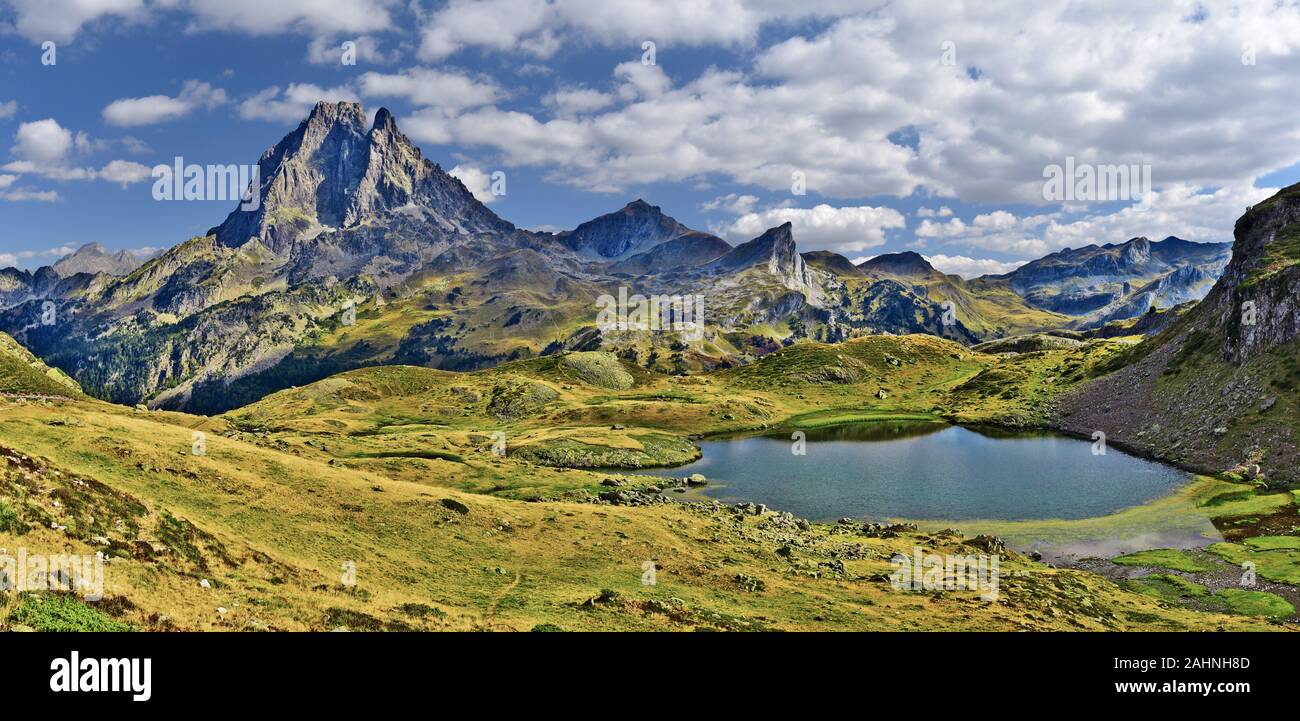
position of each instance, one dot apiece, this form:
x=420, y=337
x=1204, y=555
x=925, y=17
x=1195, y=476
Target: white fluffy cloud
x=46, y=149
x=11, y=259
x=844, y=230
x=160, y=108
x=124, y=172
x=538, y=26
x=42, y=141
x=293, y=104
x=734, y=203
x=329, y=51
x=450, y=91
x=42, y=196
x=477, y=181
x=318, y=17
x=971, y=267
x=577, y=101
x=1181, y=210
x=866, y=106
x=715, y=124
x=8, y=109
x=59, y=20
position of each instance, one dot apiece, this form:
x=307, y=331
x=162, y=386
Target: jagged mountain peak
x=94, y=258
x=635, y=228
x=775, y=245
x=1137, y=251
x=334, y=172
x=330, y=113
x=776, y=252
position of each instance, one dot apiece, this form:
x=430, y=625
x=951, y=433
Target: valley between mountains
x=463, y=446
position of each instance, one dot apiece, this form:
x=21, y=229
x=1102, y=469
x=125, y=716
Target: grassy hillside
x=276, y=535
x=22, y=373
x=373, y=500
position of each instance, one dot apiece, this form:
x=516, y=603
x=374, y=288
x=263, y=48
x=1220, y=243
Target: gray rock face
x=1183, y=284
x=1260, y=300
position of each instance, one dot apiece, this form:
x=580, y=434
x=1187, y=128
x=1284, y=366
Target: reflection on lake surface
x=928, y=471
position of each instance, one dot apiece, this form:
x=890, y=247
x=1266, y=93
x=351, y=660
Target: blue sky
x=915, y=128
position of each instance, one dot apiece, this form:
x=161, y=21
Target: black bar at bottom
x=321, y=670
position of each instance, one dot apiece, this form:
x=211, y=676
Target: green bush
x=10, y=522
x=62, y=612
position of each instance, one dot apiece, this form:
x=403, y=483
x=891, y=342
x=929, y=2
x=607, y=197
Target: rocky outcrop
x=775, y=252
x=1184, y=284
x=1260, y=305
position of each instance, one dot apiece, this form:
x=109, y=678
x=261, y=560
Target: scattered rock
x=886, y=530
x=988, y=544
x=455, y=505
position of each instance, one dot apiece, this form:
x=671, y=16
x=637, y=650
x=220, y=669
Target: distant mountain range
x=363, y=252
x=1113, y=282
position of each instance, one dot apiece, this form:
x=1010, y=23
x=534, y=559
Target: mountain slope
x=688, y=250
x=907, y=264
x=982, y=309
x=22, y=373
x=1217, y=389
x=832, y=263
